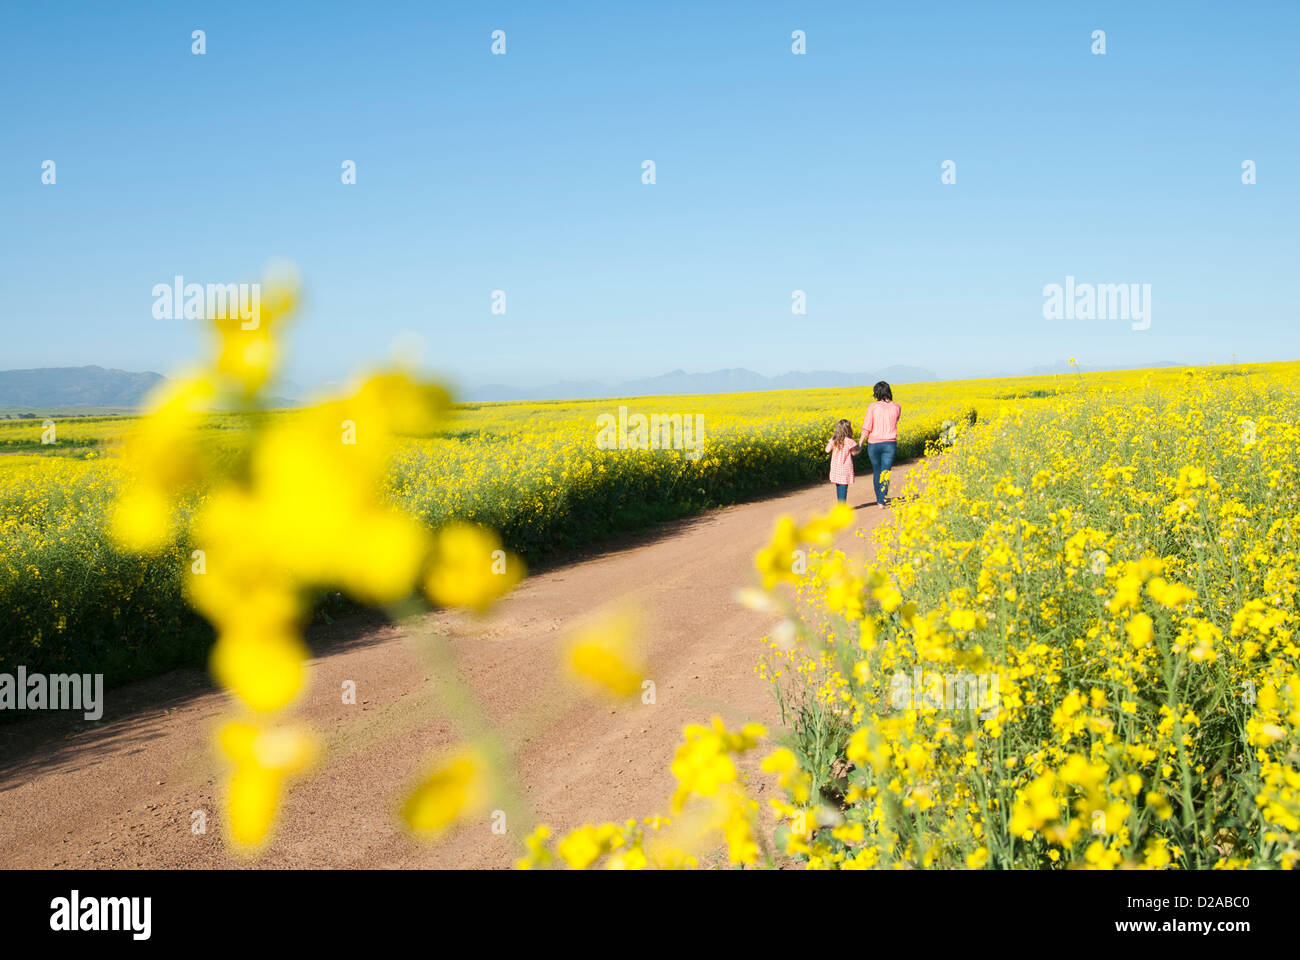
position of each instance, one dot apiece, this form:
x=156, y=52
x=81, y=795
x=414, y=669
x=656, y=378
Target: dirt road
x=127, y=791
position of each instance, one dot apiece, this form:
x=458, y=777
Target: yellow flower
x=1157, y=853
x=603, y=655
x=246, y=348
x=141, y=520
x=1036, y=805
x=538, y=855
x=470, y=568
x=963, y=620
x=790, y=776
x=384, y=556
x=700, y=767
x=738, y=827
x=265, y=670
x=263, y=758
x=776, y=561
x=1139, y=630
x=631, y=859
x=1169, y=594
x=1160, y=804
x=457, y=789
x=869, y=746
x=396, y=404
x=888, y=597
x=821, y=530
x=849, y=833
x=781, y=761
x=584, y=846
x=703, y=763
x=164, y=450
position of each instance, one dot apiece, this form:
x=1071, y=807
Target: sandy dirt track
x=121, y=793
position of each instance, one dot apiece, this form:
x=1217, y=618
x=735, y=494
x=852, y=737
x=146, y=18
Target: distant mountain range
x=85, y=387
x=100, y=387
x=738, y=380
x=75, y=387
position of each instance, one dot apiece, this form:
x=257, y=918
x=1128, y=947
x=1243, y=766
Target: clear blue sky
x=775, y=172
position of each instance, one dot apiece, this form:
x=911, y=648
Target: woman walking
x=880, y=437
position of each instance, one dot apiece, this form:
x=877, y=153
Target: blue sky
x=775, y=172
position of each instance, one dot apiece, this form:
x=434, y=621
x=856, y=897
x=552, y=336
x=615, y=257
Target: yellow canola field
x=1078, y=647
x=533, y=471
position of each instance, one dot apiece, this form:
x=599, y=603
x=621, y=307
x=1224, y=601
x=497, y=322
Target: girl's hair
x=843, y=431
x=883, y=392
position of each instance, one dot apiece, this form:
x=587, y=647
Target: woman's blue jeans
x=881, y=456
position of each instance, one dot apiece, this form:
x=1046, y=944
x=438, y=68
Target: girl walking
x=880, y=437
x=842, y=448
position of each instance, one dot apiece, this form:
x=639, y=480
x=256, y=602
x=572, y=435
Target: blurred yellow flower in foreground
x=777, y=561
x=703, y=762
x=165, y=458
x=142, y=520
x=603, y=654
x=246, y=348
x=538, y=855
x=266, y=671
x=470, y=568
x=821, y=530
x=1140, y=630
x=285, y=507
x=263, y=758
x=458, y=788
x=581, y=848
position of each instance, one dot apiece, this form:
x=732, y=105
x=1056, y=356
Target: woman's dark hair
x=883, y=392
